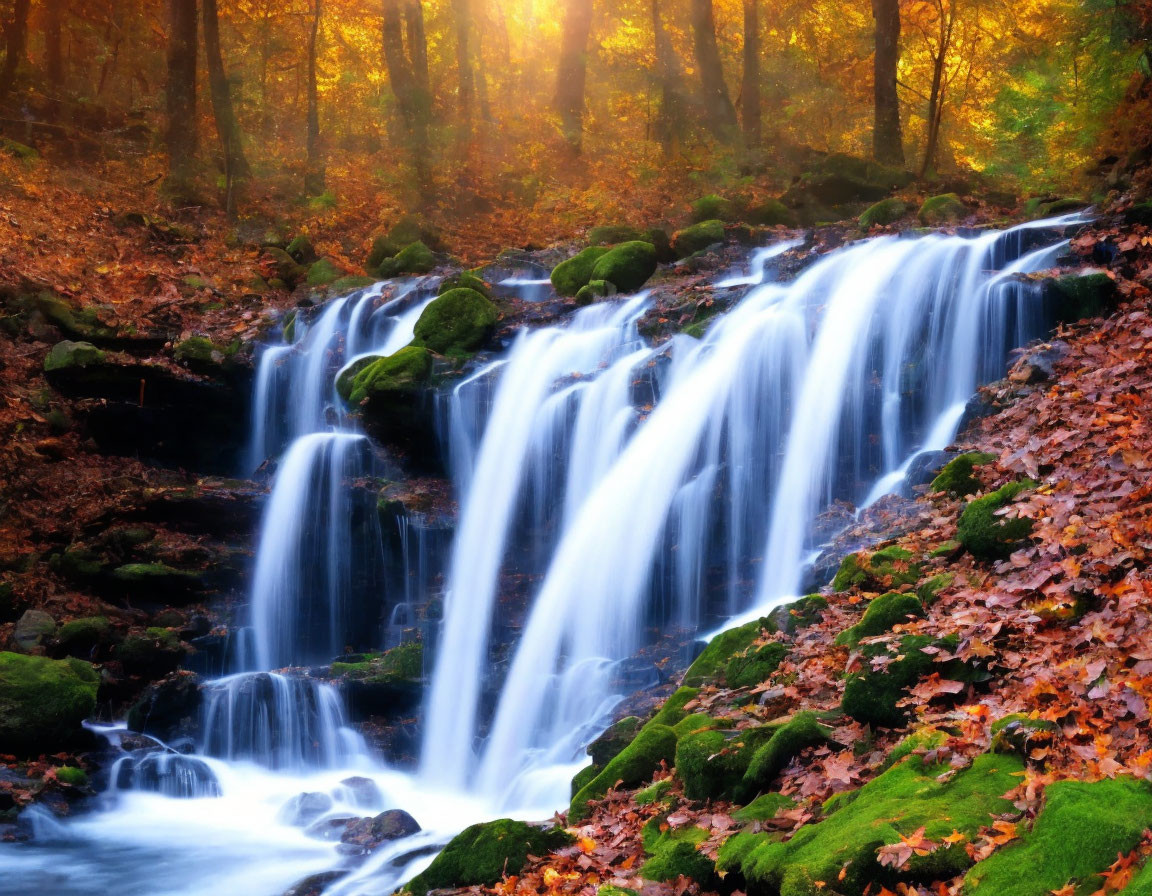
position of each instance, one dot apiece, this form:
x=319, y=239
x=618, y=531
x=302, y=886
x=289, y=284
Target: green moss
x=929, y=591
x=68, y=354
x=78, y=563
x=349, y=284
x=81, y=635
x=951, y=546
x=754, y=665
x=593, y=290
x=77, y=323
x=1141, y=883
x=672, y=712
x=697, y=237
x=483, y=853
x=632, y=766
x=464, y=280
x=301, y=250
x=987, y=535
x=611, y=234
x=1080, y=296
x=956, y=477
x=157, y=575
x=787, y=742
x=609, y=890
x=679, y=858
x=415, y=258
x=884, y=212
x=405, y=371
x=838, y=854
x=870, y=696
x=157, y=649
x=799, y=614
x=1019, y=733
x=609, y=744
x=919, y=741
x=43, y=702
x=654, y=793
x=698, y=721
x=18, y=150
x=770, y=213
x=400, y=665
x=1044, y=207
x=569, y=276
x=713, y=208
x=456, y=323
x=407, y=230
x=763, y=808
x=711, y=763
x=1080, y=831
x=710, y=666
x=944, y=209
x=881, y=615
x=72, y=776
x=324, y=272
x=886, y=568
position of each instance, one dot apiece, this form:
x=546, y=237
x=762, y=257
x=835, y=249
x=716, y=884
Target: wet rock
x=315, y=884
x=361, y=791
x=151, y=653
x=33, y=629
x=305, y=808
x=924, y=467
x=170, y=774
x=366, y=834
x=85, y=638
x=168, y=708
x=330, y=830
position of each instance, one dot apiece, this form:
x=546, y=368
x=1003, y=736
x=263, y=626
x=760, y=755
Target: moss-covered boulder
x=415, y=258
x=1049, y=207
x=985, y=532
x=791, y=618
x=151, y=653
x=839, y=854
x=302, y=251
x=882, y=613
x=611, y=234
x=713, y=208
x=929, y=590
x=709, y=667
x=33, y=629
x=324, y=273
x=765, y=807
x=885, y=212
x=81, y=637
x=634, y=765
x=43, y=702
x=279, y=265
x=770, y=213
x=67, y=354
x=377, y=378
x=1080, y=296
x=404, y=232
x=483, y=853
x=569, y=276
x=956, y=477
x=890, y=567
x=754, y=665
x=654, y=793
x=697, y=238
x=871, y=695
x=627, y=266
x=456, y=323
x=1020, y=733
x=614, y=740
x=593, y=290
x=799, y=733
x=675, y=855
x=158, y=580
x=75, y=322
x=464, y=280
x=711, y=763
x=1079, y=833
x=204, y=356
x=71, y=776
x=943, y=209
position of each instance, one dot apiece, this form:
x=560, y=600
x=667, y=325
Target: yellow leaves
x=587, y=845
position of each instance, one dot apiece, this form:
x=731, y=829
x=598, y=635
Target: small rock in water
x=361, y=791
x=331, y=829
x=305, y=808
x=314, y=884
x=366, y=834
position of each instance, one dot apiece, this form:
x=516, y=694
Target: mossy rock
x=349, y=284
x=482, y=854
x=1081, y=296
x=956, y=477
x=755, y=665
x=593, y=290
x=68, y=354
x=988, y=536
x=698, y=237
x=456, y=323
x=302, y=251
x=1046, y=207
x=654, y=793
x=1020, y=733
x=155, y=652
x=569, y=276
x=77, y=323
x=802, y=731
x=627, y=266
x=81, y=636
x=155, y=577
x=609, y=744
x=839, y=854
x=929, y=590
x=464, y=280
x=406, y=371
x=709, y=667
x=770, y=213
x=610, y=890
x=673, y=712
x=582, y=778
x=1078, y=834
x=611, y=234
x=673, y=858
x=870, y=696
x=32, y=630
x=632, y=766
x=889, y=567
x=711, y=763
x=883, y=213
x=764, y=808
x=882, y=614
x=919, y=741
x=80, y=564
x=283, y=267
x=415, y=258
x=943, y=209
x=72, y=776
x=324, y=272
x=407, y=230
x=946, y=548
x=791, y=618
x=43, y=702
x=18, y=150
x=402, y=664
x=713, y=208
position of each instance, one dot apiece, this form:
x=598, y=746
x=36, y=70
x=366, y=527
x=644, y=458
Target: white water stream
x=609, y=491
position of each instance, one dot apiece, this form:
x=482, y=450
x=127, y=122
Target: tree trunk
x=314, y=166
x=887, y=140
x=463, y=16
x=481, y=69
x=412, y=99
x=181, y=98
x=719, y=112
x=936, y=94
x=418, y=46
x=670, y=117
x=15, y=43
x=235, y=164
x=572, y=71
x=750, y=87
x=53, y=42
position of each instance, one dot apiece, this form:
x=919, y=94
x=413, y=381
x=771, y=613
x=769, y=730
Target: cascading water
x=608, y=490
